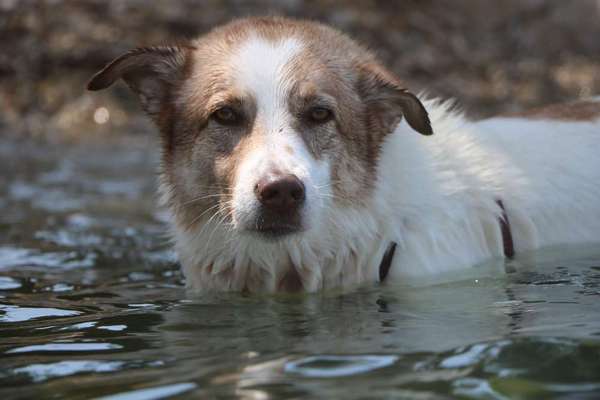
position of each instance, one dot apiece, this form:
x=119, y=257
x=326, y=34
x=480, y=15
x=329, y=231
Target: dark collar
x=509, y=248
x=386, y=261
x=507, y=240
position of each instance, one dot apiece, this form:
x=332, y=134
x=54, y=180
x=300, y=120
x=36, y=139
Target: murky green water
x=92, y=305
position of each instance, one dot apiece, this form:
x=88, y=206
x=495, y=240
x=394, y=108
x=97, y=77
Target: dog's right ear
x=389, y=102
x=149, y=71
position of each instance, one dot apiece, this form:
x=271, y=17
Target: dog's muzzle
x=281, y=198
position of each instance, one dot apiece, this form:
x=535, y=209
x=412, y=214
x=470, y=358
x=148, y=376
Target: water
x=92, y=305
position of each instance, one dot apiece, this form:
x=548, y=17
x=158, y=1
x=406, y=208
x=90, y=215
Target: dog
x=293, y=160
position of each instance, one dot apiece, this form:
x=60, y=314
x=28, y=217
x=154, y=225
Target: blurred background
x=492, y=56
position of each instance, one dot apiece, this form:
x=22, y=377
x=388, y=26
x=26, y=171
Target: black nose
x=280, y=192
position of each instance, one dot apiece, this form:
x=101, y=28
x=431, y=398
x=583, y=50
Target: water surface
x=92, y=305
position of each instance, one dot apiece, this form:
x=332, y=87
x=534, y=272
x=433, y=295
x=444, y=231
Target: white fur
x=435, y=196
x=547, y=174
x=260, y=68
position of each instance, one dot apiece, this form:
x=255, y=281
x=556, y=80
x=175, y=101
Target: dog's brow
x=317, y=99
x=225, y=99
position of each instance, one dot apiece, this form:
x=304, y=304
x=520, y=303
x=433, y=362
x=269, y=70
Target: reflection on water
x=153, y=393
x=56, y=347
x=42, y=372
x=92, y=305
x=335, y=366
x=18, y=314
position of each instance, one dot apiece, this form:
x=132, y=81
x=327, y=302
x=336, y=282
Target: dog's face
x=266, y=123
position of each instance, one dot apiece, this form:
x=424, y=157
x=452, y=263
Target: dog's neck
x=215, y=259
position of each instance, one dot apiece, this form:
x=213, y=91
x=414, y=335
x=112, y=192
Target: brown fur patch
x=573, y=111
x=327, y=73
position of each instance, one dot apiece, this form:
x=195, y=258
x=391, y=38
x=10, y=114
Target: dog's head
x=267, y=122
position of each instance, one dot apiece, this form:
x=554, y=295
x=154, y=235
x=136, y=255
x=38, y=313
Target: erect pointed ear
x=149, y=71
x=387, y=102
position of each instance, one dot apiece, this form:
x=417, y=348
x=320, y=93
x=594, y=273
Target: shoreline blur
x=492, y=57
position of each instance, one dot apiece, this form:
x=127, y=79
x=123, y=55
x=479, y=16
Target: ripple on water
x=515, y=388
x=12, y=257
x=475, y=388
x=79, y=326
x=154, y=393
x=8, y=283
x=113, y=328
x=466, y=357
x=325, y=366
x=65, y=347
x=43, y=372
x=522, y=368
x=61, y=287
x=20, y=314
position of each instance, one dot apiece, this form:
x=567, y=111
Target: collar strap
x=507, y=239
x=386, y=261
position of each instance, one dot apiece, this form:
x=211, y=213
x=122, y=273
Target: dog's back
x=554, y=192
x=543, y=168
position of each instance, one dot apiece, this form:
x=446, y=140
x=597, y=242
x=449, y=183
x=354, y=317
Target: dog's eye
x=320, y=115
x=226, y=116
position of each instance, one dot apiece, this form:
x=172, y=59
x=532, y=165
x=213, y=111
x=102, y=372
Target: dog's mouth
x=276, y=225
x=274, y=231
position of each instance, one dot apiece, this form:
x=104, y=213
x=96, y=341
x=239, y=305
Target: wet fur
x=371, y=178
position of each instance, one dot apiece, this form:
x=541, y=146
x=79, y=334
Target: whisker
x=199, y=198
x=196, y=219
x=217, y=225
x=329, y=184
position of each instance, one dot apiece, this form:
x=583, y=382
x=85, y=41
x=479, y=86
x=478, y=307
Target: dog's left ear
x=150, y=72
x=387, y=102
